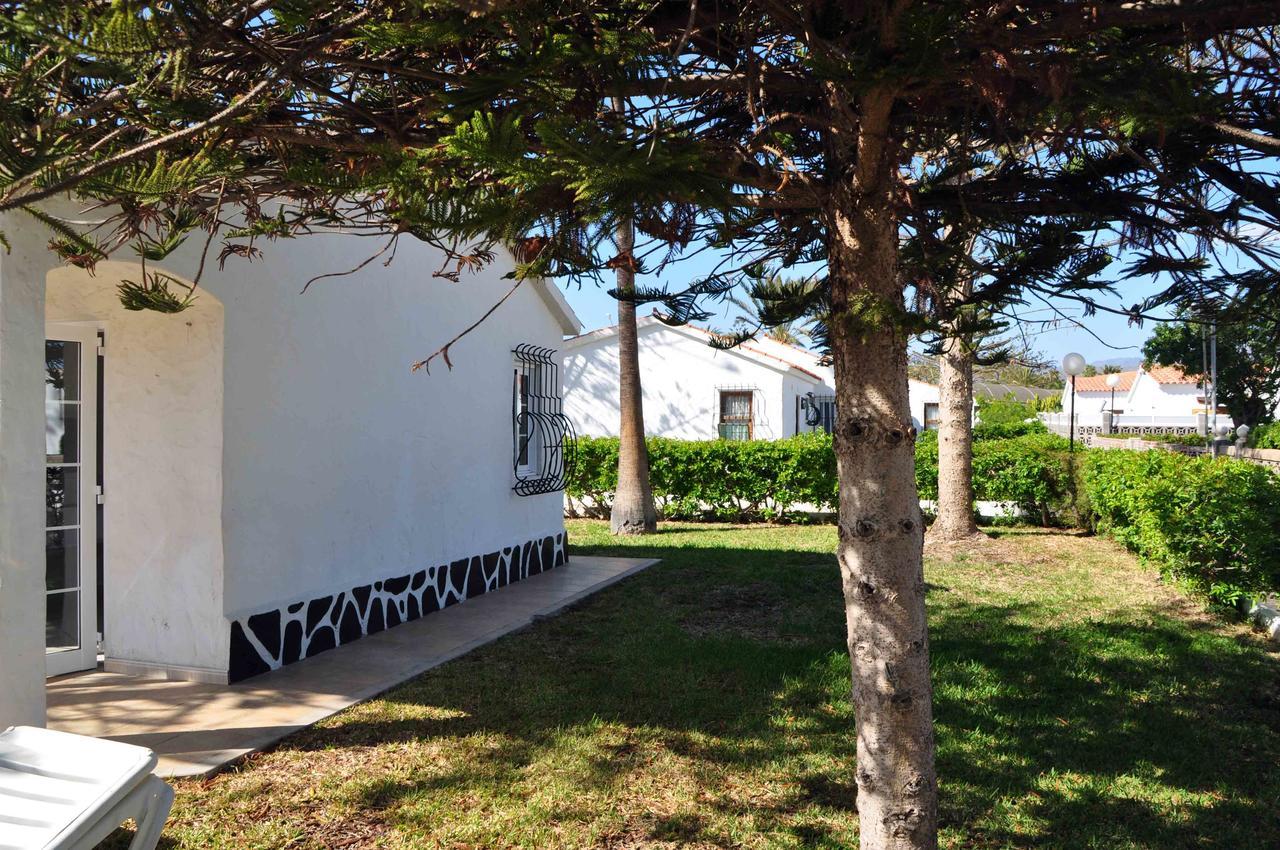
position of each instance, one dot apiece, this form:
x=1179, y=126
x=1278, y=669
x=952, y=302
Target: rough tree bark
x=881, y=533
x=955, y=521
x=633, y=510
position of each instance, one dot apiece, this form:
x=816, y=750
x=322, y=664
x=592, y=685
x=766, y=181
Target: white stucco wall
x=1150, y=398
x=265, y=446
x=681, y=376
x=22, y=565
x=920, y=394
x=162, y=469
x=1092, y=402
x=341, y=465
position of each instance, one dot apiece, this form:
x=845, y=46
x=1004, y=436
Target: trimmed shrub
x=1010, y=411
x=1211, y=522
x=1031, y=471
x=716, y=479
x=1007, y=430
x=1170, y=438
x=770, y=479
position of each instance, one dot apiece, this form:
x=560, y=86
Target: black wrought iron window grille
x=736, y=413
x=817, y=411
x=544, y=445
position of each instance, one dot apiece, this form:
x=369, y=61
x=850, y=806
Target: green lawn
x=704, y=703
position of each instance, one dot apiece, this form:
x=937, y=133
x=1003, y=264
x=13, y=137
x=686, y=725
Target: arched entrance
x=133, y=478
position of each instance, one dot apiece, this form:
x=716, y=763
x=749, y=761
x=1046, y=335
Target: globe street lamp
x=1073, y=365
x=1113, y=380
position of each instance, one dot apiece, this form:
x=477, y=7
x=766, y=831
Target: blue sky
x=1104, y=336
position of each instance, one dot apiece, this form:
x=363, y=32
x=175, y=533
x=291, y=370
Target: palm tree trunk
x=633, y=510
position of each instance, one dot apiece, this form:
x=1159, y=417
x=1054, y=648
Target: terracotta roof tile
x=1098, y=383
x=1171, y=375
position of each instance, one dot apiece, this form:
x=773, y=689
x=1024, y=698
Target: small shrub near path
x=1080, y=703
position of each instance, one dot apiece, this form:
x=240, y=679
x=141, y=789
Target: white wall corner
x=22, y=581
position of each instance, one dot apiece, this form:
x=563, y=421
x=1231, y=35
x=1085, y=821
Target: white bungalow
x=760, y=390
x=1161, y=391
x=261, y=477
x=1162, y=398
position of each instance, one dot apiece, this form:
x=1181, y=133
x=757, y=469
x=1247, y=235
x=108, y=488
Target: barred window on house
x=737, y=415
x=815, y=413
x=544, y=446
x=932, y=418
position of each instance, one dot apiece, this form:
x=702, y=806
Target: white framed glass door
x=71, y=574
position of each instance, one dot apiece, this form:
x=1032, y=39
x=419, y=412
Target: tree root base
x=954, y=540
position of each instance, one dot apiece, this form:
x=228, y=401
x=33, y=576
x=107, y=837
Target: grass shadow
x=649, y=717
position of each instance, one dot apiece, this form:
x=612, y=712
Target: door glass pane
x=62, y=496
x=62, y=621
x=61, y=370
x=62, y=559
x=62, y=432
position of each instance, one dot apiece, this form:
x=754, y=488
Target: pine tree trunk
x=881, y=533
x=955, y=521
x=633, y=511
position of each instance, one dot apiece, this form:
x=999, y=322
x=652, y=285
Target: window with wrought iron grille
x=932, y=418
x=544, y=446
x=815, y=413
x=737, y=420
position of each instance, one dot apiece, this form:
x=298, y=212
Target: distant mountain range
x=1125, y=363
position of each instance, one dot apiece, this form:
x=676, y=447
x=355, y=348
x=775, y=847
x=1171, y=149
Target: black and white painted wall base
x=271, y=639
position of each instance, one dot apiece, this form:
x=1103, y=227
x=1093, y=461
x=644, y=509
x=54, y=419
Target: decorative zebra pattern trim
x=271, y=639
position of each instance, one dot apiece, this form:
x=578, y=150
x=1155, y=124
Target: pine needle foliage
x=873, y=141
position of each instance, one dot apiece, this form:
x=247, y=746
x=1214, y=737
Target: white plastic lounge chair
x=60, y=791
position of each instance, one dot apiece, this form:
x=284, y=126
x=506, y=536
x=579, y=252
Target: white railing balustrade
x=1092, y=422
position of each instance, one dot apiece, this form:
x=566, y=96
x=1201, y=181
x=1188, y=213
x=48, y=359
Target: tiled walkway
x=198, y=728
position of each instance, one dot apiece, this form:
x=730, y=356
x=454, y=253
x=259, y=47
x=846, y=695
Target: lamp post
x=1113, y=380
x=1073, y=365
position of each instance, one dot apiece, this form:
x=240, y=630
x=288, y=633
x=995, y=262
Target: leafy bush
x=720, y=479
x=1007, y=430
x=1031, y=471
x=1174, y=439
x=1005, y=411
x=1265, y=436
x=770, y=479
x=1209, y=521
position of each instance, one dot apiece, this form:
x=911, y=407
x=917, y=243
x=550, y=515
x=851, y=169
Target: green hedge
x=1171, y=438
x=721, y=479
x=1031, y=471
x=1007, y=430
x=1212, y=522
x=768, y=479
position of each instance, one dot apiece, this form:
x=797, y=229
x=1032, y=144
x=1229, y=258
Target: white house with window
x=262, y=477
x=760, y=390
x=1142, y=400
